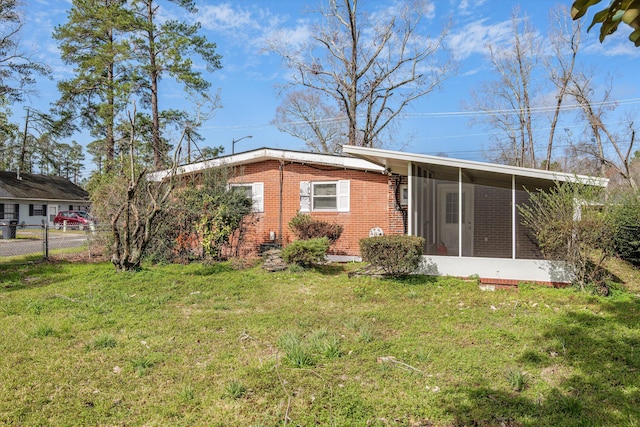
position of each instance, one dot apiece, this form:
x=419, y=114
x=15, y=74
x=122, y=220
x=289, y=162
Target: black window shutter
x=44, y=210
x=70, y=207
x=16, y=214
x=30, y=209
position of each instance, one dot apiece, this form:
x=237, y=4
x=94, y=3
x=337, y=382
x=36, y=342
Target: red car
x=75, y=219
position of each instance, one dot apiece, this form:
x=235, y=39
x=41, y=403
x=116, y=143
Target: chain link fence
x=31, y=242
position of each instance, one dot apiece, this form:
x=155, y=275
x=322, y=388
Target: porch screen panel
x=526, y=244
x=444, y=214
x=420, y=196
x=492, y=220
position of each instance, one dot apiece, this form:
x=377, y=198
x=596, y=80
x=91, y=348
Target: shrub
x=305, y=228
x=396, y=255
x=625, y=218
x=569, y=224
x=205, y=220
x=306, y=252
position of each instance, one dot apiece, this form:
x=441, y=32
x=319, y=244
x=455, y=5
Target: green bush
x=396, y=255
x=306, y=252
x=625, y=218
x=570, y=224
x=305, y=228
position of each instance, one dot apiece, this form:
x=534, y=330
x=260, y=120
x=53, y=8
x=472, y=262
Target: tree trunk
x=156, y=142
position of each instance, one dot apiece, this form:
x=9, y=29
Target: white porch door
x=53, y=211
x=448, y=214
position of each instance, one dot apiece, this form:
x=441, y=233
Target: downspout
x=280, y=213
x=513, y=217
x=410, y=201
x=398, y=205
x=460, y=197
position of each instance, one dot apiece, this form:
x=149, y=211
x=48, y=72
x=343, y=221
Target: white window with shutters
x=325, y=196
x=255, y=191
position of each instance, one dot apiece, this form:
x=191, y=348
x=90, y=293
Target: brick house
x=348, y=191
x=400, y=193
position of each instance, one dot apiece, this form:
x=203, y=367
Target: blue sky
x=250, y=75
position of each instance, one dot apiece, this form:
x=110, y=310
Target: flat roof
x=398, y=161
x=262, y=154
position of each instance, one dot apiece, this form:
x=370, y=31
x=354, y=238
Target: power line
x=444, y=114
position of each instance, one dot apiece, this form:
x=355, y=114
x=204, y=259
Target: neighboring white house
x=32, y=198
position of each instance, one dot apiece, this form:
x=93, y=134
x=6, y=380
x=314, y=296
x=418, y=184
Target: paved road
x=30, y=242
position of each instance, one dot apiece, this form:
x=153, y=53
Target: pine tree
x=166, y=48
x=95, y=41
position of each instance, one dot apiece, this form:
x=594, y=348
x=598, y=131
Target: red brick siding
x=396, y=220
x=368, y=201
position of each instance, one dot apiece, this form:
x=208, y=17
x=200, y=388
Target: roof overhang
x=44, y=200
x=397, y=162
x=263, y=154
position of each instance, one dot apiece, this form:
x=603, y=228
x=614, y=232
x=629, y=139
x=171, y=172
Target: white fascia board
x=379, y=156
x=262, y=154
x=29, y=199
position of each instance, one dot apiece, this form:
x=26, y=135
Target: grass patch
x=235, y=389
x=43, y=331
x=102, y=341
x=518, y=380
x=142, y=364
x=203, y=345
x=297, y=352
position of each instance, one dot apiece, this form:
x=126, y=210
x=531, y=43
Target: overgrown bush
x=306, y=252
x=625, y=219
x=570, y=223
x=396, y=255
x=205, y=218
x=305, y=228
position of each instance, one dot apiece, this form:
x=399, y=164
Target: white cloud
x=224, y=17
x=293, y=37
x=616, y=44
x=474, y=38
x=467, y=7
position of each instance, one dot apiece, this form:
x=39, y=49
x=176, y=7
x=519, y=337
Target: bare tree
x=132, y=204
x=371, y=64
x=507, y=100
x=612, y=150
x=565, y=44
x=304, y=115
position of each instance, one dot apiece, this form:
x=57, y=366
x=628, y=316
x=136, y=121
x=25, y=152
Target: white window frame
x=257, y=194
x=39, y=210
x=307, y=196
x=314, y=196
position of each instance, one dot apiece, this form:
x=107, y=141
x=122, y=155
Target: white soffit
x=396, y=161
x=263, y=154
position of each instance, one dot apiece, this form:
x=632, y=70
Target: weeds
x=235, y=389
x=102, y=341
x=326, y=344
x=187, y=394
x=43, y=331
x=296, y=352
x=142, y=365
x=366, y=333
x=518, y=380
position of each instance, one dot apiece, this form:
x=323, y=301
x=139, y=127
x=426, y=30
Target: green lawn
x=205, y=345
